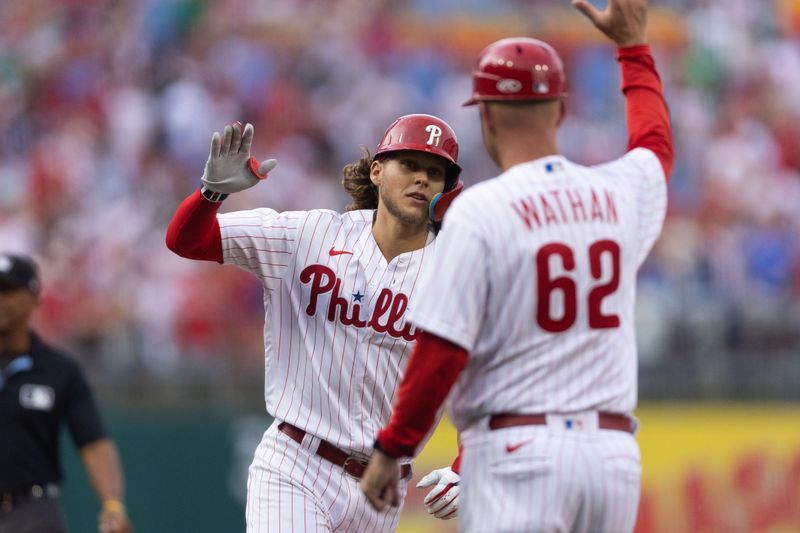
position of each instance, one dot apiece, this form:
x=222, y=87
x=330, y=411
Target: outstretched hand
x=622, y=21
x=230, y=167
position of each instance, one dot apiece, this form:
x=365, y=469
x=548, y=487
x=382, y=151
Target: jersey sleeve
x=644, y=174
x=82, y=417
x=261, y=241
x=646, y=110
x=451, y=299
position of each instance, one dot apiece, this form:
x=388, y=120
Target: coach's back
x=560, y=245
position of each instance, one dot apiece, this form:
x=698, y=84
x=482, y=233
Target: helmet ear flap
x=442, y=201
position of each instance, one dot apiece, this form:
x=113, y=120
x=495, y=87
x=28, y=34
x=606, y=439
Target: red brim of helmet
x=475, y=99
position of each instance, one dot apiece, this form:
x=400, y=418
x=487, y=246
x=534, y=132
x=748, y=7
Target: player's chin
x=417, y=206
x=417, y=215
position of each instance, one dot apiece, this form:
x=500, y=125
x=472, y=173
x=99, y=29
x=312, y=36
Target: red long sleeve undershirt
x=194, y=230
x=648, y=116
x=433, y=368
x=435, y=363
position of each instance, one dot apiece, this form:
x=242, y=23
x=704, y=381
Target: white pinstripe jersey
x=335, y=336
x=535, y=275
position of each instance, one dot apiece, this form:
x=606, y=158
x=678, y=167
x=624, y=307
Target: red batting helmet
x=423, y=133
x=518, y=69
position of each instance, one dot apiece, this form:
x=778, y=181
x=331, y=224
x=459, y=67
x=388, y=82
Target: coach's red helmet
x=517, y=69
x=423, y=133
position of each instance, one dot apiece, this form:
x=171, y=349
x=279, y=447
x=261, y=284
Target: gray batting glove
x=442, y=501
x=230, y=167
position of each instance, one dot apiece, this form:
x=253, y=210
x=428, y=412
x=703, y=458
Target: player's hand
x=114, y=521
x=442, y=501
x=380, y=482
x=623, y=21
x=230, y=167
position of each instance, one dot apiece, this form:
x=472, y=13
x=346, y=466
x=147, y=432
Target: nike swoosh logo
x=338, y=252
x=511, y=448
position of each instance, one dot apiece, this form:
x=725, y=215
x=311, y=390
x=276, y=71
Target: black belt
x=604, y=421
x=10, y=498
x=352, y=465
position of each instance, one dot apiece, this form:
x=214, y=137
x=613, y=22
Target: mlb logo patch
x=552, y=167
x=37, y=397
x=571, y=423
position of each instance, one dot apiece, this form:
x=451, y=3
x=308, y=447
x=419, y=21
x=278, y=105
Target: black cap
x=18, y=272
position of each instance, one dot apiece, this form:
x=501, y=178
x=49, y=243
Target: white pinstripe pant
x=553, y=480
x=290, y=488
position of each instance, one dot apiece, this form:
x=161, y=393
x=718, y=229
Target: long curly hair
x=357, y=183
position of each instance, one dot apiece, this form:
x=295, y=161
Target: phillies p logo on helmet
x=435, y=133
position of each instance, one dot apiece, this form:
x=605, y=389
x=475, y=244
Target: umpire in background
x=41, y=388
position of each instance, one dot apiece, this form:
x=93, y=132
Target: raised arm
x=194, y=231
x=625, y=22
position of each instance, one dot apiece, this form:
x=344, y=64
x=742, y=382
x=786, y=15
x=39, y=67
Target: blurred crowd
x=107, y=109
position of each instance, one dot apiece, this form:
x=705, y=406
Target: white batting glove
x=230, y=168
x=442, y=501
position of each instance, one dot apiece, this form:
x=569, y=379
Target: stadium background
x=106, y=109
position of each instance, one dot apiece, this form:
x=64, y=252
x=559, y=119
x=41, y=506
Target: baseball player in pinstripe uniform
x=538, y=341
x=336, y=291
